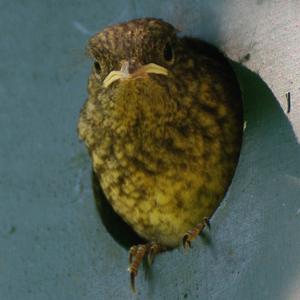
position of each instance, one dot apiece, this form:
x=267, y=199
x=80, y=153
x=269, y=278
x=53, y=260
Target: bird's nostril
x=133, y=66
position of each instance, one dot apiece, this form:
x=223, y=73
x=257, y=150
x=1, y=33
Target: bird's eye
x=97, y=67
x=168, y=52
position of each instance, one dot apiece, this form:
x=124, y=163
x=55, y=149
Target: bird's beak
x=129, y=71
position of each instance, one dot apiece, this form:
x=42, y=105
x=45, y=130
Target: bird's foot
x=136, y=255
x=194, y=232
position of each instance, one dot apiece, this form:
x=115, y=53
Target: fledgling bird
x=163, y=126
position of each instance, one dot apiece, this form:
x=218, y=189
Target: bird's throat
x=140, y=104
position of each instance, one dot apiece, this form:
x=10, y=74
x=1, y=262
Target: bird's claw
x=136, y=255
x=194, y=232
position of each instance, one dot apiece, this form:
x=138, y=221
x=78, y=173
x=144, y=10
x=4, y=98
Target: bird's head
x=135, y=82
x=133, y=50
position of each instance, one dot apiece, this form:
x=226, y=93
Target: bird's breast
x=163, y=160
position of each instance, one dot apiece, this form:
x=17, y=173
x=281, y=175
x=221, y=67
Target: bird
x=163, y=127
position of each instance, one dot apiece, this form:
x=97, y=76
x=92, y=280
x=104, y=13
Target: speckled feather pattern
x=164, y=148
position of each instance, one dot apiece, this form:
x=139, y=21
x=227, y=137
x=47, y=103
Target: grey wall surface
x=53, y=244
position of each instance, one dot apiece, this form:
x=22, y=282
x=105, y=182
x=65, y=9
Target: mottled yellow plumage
x=164, y=130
